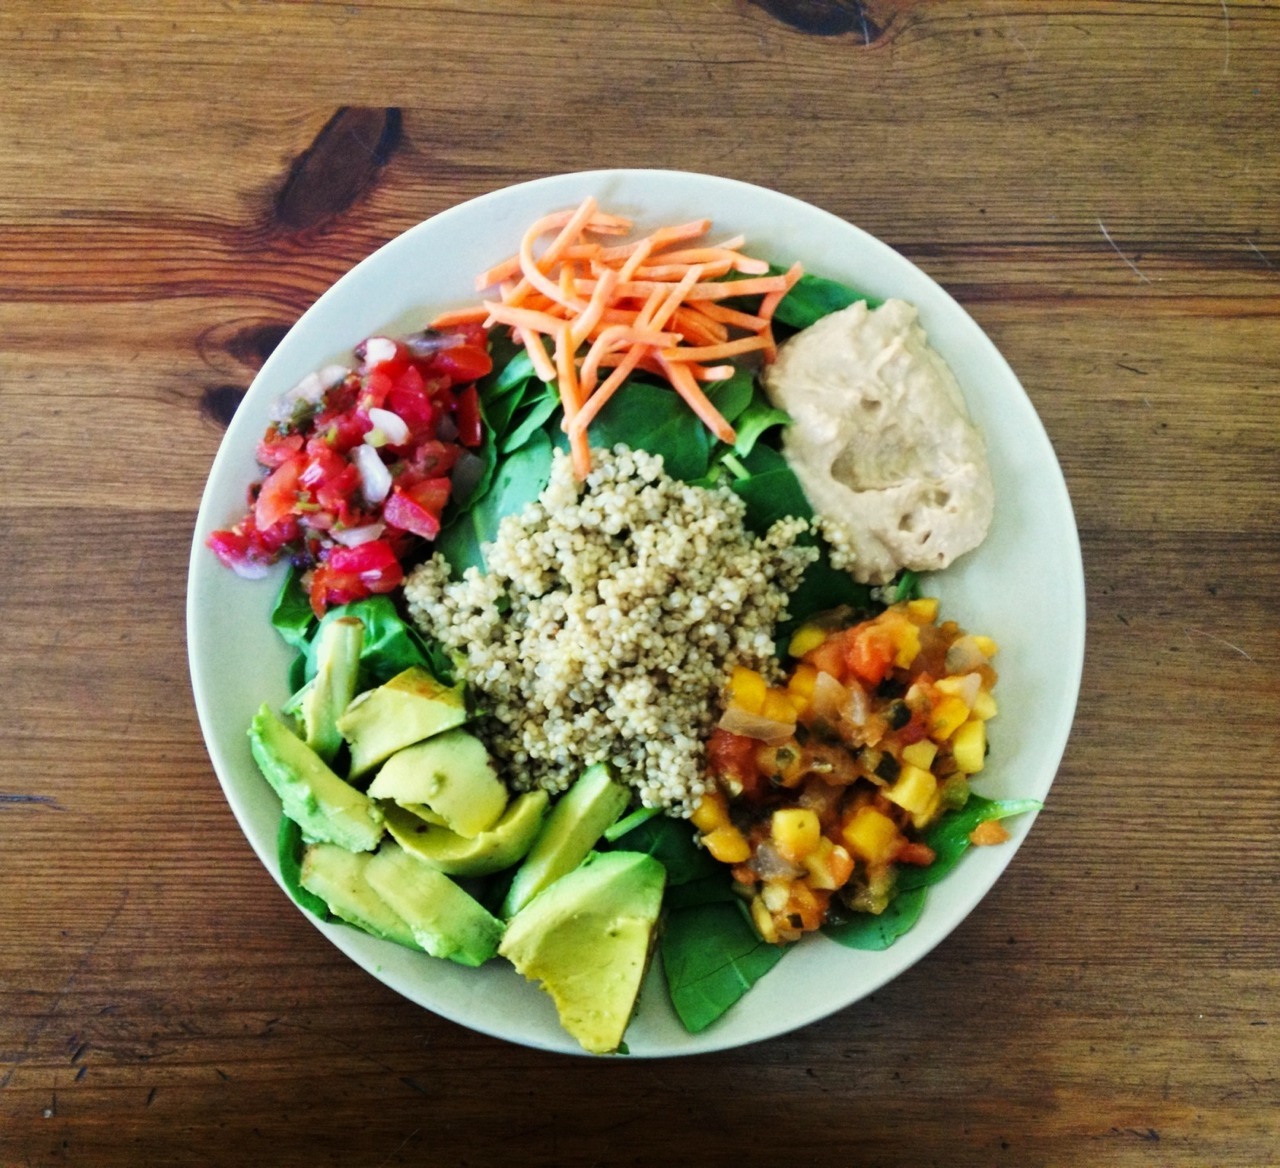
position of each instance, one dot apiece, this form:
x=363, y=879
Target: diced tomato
x=279, y=494
x=430, y=460
x=829, y=657
x=338, y=494
x=277, y=447
x=377, y=385
x=354, y=573
x=733, y=757
x=462, y=362
x=409, y=398
x=418, y=508
x=467, y=416
x=871, y=654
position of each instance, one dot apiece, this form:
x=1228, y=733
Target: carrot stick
x=649, y=304
x=686, y=385
x=455, y=316
x=715, y=352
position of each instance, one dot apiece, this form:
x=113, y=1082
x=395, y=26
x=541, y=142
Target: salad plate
x=1024, y=585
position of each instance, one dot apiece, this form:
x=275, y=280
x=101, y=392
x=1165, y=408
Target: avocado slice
x=451, y=775
x=327, y=809
x=332, y=689
x=587, y=938
x=338, y=877
x=503, y=845
x=408, y=708
x=576, y=823
x=444, y=919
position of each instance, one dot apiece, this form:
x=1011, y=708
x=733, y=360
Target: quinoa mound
x=612, y=611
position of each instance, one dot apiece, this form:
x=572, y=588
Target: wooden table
x=1097, y=183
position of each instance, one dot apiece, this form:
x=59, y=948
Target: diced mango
x=986, y=645
x=778, y=705
x=803, y=680
x=747, y=689
x=763, y=921
x=805, y=639
x=964, y=686
x=948, y=716
x=984, y=705
x=727, y=844
x=796, y=832
x=871, y=835
x=914, y=790
x=712, y=812
x=969, y=746
x=920, y=754
x=921, y=819
x=906, y=641
x=923, y=610
x=828, y=866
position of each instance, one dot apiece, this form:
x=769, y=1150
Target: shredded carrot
x=650, y=304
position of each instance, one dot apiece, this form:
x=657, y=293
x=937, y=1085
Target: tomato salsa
x=824, y=783
x=360, y=463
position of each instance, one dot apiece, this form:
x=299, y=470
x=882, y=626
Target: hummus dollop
x=881, y=442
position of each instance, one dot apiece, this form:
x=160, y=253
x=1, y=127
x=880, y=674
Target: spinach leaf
x=949, y=837
x=875, y=932
x=289, y=849
x=391, y=645
x=734, y=395
x=670, y=841
x=531, y=417
x=711, y=956
x=519, y=479
x=822, y=587
x=716, y=889
x=649, y=417
x=292, y=617
x=813, y=297
x=758, y=417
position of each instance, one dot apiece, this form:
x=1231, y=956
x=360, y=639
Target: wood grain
x=1095, y=180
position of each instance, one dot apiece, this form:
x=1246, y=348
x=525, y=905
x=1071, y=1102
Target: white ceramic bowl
x=1024, y=585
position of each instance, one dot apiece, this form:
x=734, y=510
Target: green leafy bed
x=710, y=952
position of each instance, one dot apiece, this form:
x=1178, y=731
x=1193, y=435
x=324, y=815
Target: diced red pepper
x=467, y=416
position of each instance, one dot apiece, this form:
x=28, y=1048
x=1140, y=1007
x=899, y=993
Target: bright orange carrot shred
x=650, y=304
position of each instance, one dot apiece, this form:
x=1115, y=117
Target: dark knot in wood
x=341, y=165
x=826, y=18
x=219, y=403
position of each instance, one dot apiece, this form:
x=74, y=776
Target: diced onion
x=738, y=721
x=375, y=478
x=310, y=390
x=394, y=428
x=249, y=569
x=355, y=536
x=379, y=349
x=964, y=655
x=829, y=697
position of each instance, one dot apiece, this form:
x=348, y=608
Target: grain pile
x=607, y=623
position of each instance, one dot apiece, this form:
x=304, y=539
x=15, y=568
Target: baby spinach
x=711, y=955
x=671, y=843
x=949, y=837
x=874, y=932
x=289, y=849
x=519, y=479
x=391, y=644
x=292, y=617
x=813, y=297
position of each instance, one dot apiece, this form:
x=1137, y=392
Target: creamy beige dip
x=881, y=442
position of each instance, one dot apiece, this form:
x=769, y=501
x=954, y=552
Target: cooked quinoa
x=606, y=626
